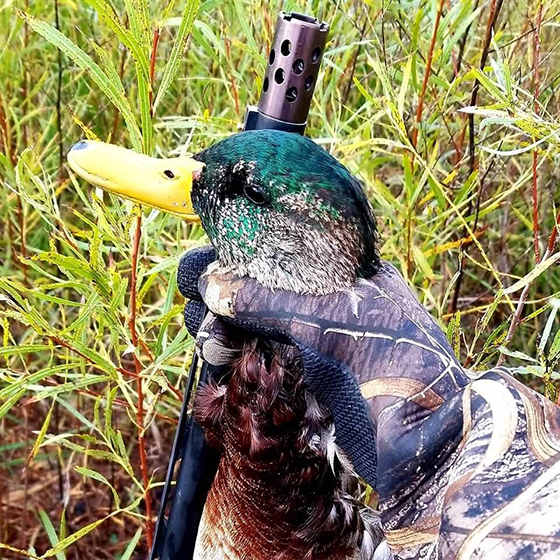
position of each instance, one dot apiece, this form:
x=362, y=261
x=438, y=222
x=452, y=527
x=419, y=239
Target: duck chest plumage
x=283, y=488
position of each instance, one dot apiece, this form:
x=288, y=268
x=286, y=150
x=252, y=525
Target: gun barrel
x=288, y=86
x=291, y=75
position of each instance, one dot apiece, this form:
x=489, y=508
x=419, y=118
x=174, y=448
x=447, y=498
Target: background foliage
x=446, y=109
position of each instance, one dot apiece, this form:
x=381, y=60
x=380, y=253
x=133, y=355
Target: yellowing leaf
x=535, y=273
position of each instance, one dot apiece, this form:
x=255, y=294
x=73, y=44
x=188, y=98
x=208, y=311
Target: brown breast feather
x=276, y=495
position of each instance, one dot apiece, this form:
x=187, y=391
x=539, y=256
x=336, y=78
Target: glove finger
x=191, y=266
x=194, y=315
x=217, y=342
x=335, y=387
x=222, y=292
x=247, y=304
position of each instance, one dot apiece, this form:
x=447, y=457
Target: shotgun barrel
x=291, y=75
x=287, y=91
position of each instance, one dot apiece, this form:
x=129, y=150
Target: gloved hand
x=377, y=336
x=459, y=453
x=218, y=342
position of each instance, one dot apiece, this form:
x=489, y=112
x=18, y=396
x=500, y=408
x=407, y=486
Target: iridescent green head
x=279, y=208
x=276, y=206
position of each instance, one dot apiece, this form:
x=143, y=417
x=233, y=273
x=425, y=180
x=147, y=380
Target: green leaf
x=71, y=539
x=123, y=454
x=109, y=412
x=69, y=387
x=244, y=22
x=178, y=51
x=404, y=86
x=109, y=16
x=78, y=415
x=86, y=63
x=555, y=346
x=100, y=361
x=554, y=304
x=4, y=409
x=27, y=312
x=41, y=436
x=26, y=380
x=139, y=18
x=489, y=85
x=144, y=89
x=77, y=268
x=63, y=524
x=92, y=306
x=24, y=349
x=539, y=371
x=108, y=67
x=100, y=478
x=131, y=547
x=518, y=355
x=535, y=273
x=51, y=533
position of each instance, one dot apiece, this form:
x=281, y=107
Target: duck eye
x=254, y=194
x=169, y=174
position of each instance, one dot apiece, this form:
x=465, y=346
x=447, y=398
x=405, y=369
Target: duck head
x=275, y=205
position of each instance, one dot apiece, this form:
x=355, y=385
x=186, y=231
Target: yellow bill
x=164, y=184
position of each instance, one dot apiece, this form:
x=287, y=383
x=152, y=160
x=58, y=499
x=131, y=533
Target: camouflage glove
x=376, y=336
x=468, y=464
x=220, y=341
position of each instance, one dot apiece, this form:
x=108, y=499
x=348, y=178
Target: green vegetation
x=446, y=109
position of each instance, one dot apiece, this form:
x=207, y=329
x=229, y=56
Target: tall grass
x=446, y=109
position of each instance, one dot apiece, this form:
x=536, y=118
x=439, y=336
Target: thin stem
x=553, y=235
x=535, y=199
x=463, y=43
x=59, y=100
x=117, y=113
x=516, y=319
x=134, y=332
x=153, y=55
x=20, y=213
x=534, y=184
x=408, y=241
x=418, y=119
x=427, y=73
x=26, y=481
x=23, y=240
x=494, y=12
x=139, y=389
x=234, y=91
x=354, y=62
x=495, y=7
x=8, y=147
x=24, y=87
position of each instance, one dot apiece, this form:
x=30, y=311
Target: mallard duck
x=280, y=209
x=468, y=463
